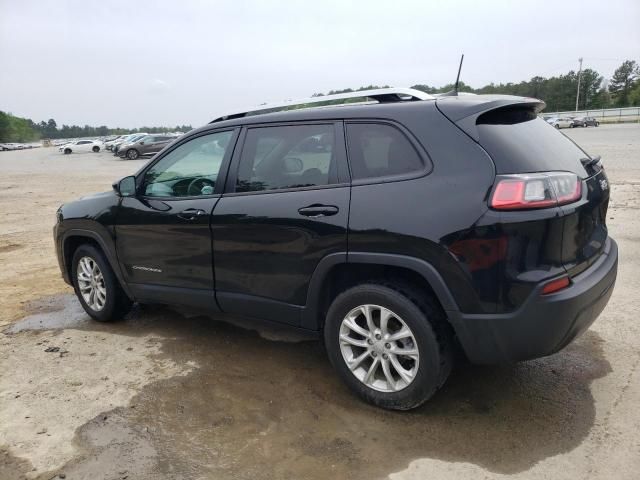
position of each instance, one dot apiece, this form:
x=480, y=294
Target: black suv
x=400, y=232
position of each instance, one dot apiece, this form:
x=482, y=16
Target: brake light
x=535, y=190
x=555, y=285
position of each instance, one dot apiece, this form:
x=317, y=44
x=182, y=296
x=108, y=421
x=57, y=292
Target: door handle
x=191, y=213
x=316, y=210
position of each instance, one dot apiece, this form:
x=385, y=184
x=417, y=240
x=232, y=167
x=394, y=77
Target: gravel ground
x=166, y=394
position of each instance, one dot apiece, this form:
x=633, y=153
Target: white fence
x=629, y=114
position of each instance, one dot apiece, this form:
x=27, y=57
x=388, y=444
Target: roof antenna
x=454, y=92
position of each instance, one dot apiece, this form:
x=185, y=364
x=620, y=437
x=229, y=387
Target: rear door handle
x=316, y=210
x=191, y=213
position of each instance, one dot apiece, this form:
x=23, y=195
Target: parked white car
x=560, y=122
x=81, y=146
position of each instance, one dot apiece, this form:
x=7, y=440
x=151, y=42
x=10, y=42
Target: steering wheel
x=197, y=184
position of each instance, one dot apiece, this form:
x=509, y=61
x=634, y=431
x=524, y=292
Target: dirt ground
x=167, y=394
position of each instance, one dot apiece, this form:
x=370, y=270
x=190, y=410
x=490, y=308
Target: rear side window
x=521, y=142
x=294, y=156
x=378, y=150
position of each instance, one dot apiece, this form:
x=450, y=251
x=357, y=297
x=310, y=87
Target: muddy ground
x=170, y=394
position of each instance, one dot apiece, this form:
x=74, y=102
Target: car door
x=285, y=207
x=163, y=236
x=82, y=146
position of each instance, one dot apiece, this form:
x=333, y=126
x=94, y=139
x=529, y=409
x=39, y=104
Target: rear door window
x=521, y=142
x=283, y=157
x=380, y=150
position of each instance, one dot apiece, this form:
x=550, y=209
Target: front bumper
x=543, y=324
x=122, y=150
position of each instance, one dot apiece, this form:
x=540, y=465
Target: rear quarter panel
x=436, y=215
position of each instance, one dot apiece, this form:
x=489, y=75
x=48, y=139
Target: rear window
x=520, y=142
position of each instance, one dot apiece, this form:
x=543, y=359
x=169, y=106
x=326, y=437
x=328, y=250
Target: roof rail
x=381, y=95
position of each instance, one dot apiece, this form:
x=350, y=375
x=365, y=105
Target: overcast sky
x=132, y=63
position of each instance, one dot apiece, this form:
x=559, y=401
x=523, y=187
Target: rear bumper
x=543, y=324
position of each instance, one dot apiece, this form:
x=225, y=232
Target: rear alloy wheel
x=384, y=357
x=389, y=344
x=67, y=151
x=557, y=126
x=96, y=149
x=96, y=285
x=132, y=154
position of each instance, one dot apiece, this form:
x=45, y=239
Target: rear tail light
x=535, y=190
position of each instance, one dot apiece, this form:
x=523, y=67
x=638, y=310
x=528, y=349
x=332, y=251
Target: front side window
x=189, y=170
x=293, y=156
x=380, y=150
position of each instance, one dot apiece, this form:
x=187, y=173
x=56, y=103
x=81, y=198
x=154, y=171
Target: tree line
x=16, y=129
x=559, y=93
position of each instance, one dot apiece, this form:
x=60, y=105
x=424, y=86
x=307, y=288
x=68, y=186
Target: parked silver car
x=560, y=122
x=147, y=145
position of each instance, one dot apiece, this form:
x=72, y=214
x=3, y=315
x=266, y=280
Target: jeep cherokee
x=398, y=231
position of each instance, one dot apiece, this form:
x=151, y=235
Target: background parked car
x=128, y=139
x=578, y=122
x=560, y=122
x=109, y=144
x=590, y=122
x=147, y=145
x=81, y=146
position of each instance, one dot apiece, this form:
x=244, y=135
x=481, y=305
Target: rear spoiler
x=465, y=110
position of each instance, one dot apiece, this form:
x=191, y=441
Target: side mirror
x=141, y=143
x=126, y=187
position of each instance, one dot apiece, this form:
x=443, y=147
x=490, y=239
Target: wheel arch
x=73, y=238
x=341, y=270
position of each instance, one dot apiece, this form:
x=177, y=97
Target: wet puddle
x=264, y=409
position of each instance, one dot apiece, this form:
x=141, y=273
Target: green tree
x=52, y=129
x=623, y=81
x=4, y=127
x=590, y=83
x=634, y=95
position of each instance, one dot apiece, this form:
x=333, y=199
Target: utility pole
x=579, y=75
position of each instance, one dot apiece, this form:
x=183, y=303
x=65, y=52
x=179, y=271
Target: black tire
x=425, y=320
x=132, y=154
x=67, y=151
x=117, y=303
x=557, y=126
x=96, y=149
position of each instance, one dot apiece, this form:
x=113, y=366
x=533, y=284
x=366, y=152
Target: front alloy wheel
x=91, y=284
x=379, y=348
x=132, y=154
x=97, y=286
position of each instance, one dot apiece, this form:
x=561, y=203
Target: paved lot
x=166, y=394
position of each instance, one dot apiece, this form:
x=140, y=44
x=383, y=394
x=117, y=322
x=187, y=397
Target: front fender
x=100, y=235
